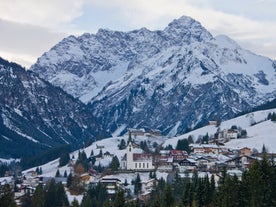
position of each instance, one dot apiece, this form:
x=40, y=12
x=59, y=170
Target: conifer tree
x=6, y=198
x=38, y=198
x=119, y=199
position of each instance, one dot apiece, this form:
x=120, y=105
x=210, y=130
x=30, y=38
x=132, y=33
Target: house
x=227, y=134
x=137, y=132
x=187, y=165
x=136, y=161
x=178, y=155
x=148, y=185
x=245, y=151
x=164, y=162
x=243, y=162
x=213, y=123
x=111, y=184
x=204, y=148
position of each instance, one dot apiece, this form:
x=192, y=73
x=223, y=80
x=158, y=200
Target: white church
x=136, y=161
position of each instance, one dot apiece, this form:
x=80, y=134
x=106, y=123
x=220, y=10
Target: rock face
x=36, y=115
x=171, y=80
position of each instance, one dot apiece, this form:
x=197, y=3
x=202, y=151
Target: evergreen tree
x=86, y=201
x=115, y=164
x=61, y=196
x=168, y=200
x=57, y=173
x=119, y=199
x=122, y=144
x=75, y=203
x=26, y=200
x=69, y=180
x=38, y=198
x=137, y=185
x=64, y=159
x=65, y=174
x=183, y=145
x=6, y=198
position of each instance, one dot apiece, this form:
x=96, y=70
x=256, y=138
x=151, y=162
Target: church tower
x=129, y=154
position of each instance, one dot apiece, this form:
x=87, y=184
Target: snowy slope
x=259, y=134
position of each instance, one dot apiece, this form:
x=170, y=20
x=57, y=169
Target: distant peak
x=182, y=21
x=187, y=28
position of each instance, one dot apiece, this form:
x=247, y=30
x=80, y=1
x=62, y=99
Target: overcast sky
x=28, y=28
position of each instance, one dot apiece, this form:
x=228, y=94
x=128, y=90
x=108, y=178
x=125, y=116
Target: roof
x=141, y=157
x=178, y=152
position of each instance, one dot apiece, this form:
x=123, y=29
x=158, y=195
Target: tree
x=119, y=199
x=137, y=185
x=243, y=133
x=86, y=201
x=64, y=159
x=168, y=200
x=65, y=174
x=57, y=173
x=183, y=144
x=115, y=164
x=26, y=200
x=75, y=203
x=38, y=198
x=6, y=198
x=69, y=180
x=122, y=144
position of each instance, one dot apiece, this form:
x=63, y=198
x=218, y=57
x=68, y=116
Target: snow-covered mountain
x=36, y=115
x=171, y=80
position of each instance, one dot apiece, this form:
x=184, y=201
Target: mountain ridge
x=36, y=116
x=172, y=79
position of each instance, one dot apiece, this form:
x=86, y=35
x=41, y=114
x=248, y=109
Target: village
x=138, y=155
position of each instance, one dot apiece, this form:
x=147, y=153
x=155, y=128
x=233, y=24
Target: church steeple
x=129, y=137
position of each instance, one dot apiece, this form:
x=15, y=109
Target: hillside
x=259, y=132
x=36, y=116
x=262, y=133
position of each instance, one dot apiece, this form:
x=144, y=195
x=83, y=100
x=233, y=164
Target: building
x=136, y=161
x=204, y=148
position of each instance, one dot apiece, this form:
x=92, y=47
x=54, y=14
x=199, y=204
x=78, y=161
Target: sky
x=31, y=27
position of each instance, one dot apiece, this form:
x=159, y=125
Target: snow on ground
x=72, y=197
x=264, y=132
x=260, y=134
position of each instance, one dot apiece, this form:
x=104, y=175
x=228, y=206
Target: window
x=147, y=165
x=130, y=149
x=143, y=165
x=135, y=165
x=139, y=165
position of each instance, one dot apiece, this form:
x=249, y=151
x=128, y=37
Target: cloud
x=26, y=42
x=238, y=20
x=31, y=27
x=48, y=13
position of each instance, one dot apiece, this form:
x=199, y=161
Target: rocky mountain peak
x=186, y=29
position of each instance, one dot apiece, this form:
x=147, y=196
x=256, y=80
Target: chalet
x=148, y=185
x=164, y=162
x=137, y=132
x=111, y=184
x=227, y=134
x=204, y=148
x=187, y=165
x=178, y=155
x=243, y=162
x=245, y=151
